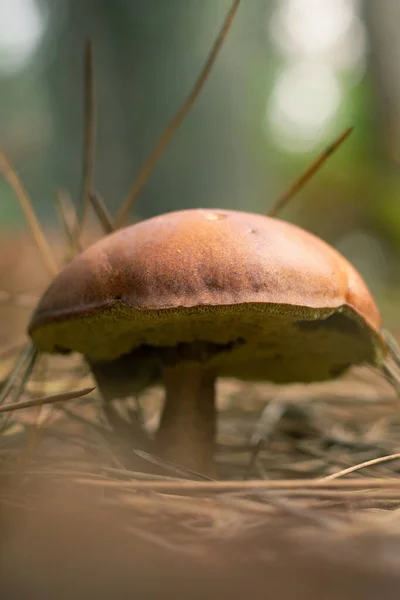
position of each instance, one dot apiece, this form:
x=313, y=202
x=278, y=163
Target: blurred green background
x=291, y=76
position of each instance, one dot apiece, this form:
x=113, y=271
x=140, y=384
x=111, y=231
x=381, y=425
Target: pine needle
x=46, y=400
x=28, y=354
x=101, y=211
x=308, y=174
x=89, y=136
x=363, y=465
x=177, y=119
x=10, y=175
x=69, y=221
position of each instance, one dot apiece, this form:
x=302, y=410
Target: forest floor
x=303, y=517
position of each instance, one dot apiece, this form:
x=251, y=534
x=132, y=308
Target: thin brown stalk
x=89, y=135
x=177, y=119
x=64, y=396
x=12, y=178
x=101, y=211
x=308, y=174
x=69, y=221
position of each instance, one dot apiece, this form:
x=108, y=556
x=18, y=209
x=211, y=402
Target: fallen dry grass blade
x=10, y=175
x=308, y=174
x=363, y=465
x=64, y=396
x=177, y=119
x=249, y=487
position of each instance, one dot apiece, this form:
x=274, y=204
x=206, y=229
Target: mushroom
x=193, y=295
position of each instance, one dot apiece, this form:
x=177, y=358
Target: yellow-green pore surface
x=250, y=296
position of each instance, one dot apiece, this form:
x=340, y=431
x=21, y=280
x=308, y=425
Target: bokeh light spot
x=21, y=29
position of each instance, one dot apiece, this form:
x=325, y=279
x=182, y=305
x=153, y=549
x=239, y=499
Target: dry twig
x=177, y=119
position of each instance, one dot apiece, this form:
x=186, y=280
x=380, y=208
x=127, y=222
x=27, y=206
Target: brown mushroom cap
x=261, y=298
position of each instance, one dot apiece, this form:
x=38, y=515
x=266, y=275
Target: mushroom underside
x=187, y=350
x=280, y=344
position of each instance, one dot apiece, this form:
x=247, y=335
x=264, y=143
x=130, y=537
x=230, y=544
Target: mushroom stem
x=187, y=431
